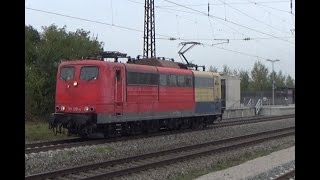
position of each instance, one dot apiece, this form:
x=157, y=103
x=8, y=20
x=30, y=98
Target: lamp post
x=273, y=61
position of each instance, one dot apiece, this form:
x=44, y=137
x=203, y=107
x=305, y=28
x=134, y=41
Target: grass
x=229, y=163
x=104, y=150
x=67, y=154
x=39, y=131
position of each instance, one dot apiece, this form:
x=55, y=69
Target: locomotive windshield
x=89, y=73
x=67, y=73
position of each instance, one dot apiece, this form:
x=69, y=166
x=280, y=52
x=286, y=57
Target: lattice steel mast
x=149, y=45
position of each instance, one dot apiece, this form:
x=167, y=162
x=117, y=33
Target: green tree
x=259, y=75
x=44, y=51
x=280, y=80
x=226, y=70
x=32, y=38
x=245, y=80
x=290, y=83
x=213, y=69
x=235, y=72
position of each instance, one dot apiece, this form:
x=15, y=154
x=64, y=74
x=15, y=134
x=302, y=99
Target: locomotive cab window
x=89, y=73
x=67, y=73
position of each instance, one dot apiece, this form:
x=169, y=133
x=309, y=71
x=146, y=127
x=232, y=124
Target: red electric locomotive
x=97, y=98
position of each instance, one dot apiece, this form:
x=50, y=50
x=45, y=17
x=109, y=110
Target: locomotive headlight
x=86, y=109
x=75, y=83
x=63, y=108
x=92, y=109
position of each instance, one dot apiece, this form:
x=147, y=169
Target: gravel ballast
x=182, y=170
x=259, y=168
x=59, y=159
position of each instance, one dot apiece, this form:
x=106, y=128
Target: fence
x=281, y=97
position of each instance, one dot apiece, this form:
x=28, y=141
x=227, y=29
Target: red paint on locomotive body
x=176, y=98
x=106, y=99
x=99, y=98
x=75, y=93
x=148, y=98
x=109, y=95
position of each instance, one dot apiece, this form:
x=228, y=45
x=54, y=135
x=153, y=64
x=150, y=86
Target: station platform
x=265, y=110
x=253, y=167
x=277, y=110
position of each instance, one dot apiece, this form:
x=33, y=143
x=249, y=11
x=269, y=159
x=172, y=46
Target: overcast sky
x=270, y=21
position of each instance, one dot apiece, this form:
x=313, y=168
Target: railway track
x=54, y=145
x=287, y=176
x=136, y=164
x=233, y=122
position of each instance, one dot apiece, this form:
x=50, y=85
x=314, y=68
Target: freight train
x=96, y=98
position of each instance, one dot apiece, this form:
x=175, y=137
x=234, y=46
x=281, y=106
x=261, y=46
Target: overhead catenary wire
x=220, y=4
x=178, y=10
x=253, y=18
x=234, y=51
x=92, y=21
x=258, y=41
x=136, y=2
x=211, y=27
x=234, y=39
x=258, y=5
x=197, y=31
x=229, y=50
x=177, y=15
x=111, y=12
x=235, y=30
x=197, y=13
x=103, y=23
x=208, y=8
x=275, y=8
x=177, y=25
x=136, y=30
x=225, y=12
x=230, y=22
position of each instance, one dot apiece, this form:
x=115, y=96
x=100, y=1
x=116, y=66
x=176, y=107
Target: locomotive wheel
x=195, y=124
x=136, y=127
x=112, y=131
x=152, y=126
